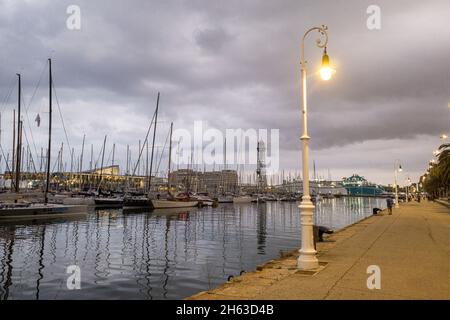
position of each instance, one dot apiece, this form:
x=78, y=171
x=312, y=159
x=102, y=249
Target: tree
x=437, y=180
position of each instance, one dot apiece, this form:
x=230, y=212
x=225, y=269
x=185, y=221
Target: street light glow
x=325, y=71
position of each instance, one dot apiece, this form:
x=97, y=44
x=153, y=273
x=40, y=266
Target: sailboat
x=39, y=210
x=171, y=201
x=132, y=202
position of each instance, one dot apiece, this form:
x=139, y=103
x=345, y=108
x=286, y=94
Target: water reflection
x=164, y=254
x=261, y=228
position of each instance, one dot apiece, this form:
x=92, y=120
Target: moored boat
x=86, y=201
x=242, y=199
x=101, y=202
x=39, y=211
x=203, y=200
x=225, y=199
x=162, y=203
x=136, y=202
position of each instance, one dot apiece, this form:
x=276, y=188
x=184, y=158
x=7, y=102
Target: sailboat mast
x=103, y=158
x=113, y=154
x=82, y=154
x=170, y=157
x=128, y=160
x=80, y=165
x=314, y=165
x=153, y=147
x=224, y=164
x=146, y=161
x=50, y=81
x=13, y=150
x=19, y=147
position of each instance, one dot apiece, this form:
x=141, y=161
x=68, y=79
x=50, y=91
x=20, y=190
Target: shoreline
x=280, y=268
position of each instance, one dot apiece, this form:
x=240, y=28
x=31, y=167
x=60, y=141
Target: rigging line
x=98, y=158
x=6, y=99
x=31, y=131
x=60, y=113
x=28, y=145
x=143, y=145
x=36, y=87
x=162, y=151
x=28, y=107
x=56, y=160
x=109, y=157
x=7, y=165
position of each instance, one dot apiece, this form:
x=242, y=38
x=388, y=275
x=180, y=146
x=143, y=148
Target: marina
x=223, y=150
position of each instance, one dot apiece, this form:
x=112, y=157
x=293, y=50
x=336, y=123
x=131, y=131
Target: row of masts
x=19, y=151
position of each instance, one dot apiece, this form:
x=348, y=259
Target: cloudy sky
x=233, y=64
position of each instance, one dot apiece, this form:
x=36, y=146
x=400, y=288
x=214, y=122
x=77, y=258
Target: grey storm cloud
x=234, y=64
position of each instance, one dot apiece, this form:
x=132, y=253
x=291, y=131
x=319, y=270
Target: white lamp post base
x=307, y=259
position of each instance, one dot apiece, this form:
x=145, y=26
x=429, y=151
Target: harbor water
x=167, y=254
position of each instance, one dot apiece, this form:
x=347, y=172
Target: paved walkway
x=411, y=247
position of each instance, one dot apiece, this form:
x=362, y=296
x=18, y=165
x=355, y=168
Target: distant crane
x=261, y=165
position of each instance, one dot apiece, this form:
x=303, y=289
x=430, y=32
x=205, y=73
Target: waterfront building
x=215, y=182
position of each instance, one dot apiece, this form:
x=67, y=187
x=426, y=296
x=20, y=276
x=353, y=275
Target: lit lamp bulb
x=325, y=71
x=400, y=169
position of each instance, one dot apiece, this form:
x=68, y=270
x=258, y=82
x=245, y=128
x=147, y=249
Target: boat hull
x=164, y=204
x=365, y=191
x=41, y=211
x=244, y=199
x=108, y=203
x=79, y=201
x=137, y=203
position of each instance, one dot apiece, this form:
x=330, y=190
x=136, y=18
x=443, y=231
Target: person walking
x=389, y=203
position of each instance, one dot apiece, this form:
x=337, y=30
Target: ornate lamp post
x=397, y=168
x=408, y=186
x=307, y=259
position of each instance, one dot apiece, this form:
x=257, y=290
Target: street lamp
x=408, y=186
x=326, y=71
x=397, y=168
x=444, y=136
x=307, y=259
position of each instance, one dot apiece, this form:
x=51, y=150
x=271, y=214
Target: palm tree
x=437, y=181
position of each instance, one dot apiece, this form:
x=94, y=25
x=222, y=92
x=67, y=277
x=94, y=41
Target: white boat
x=162, y=204
x=242, y=199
